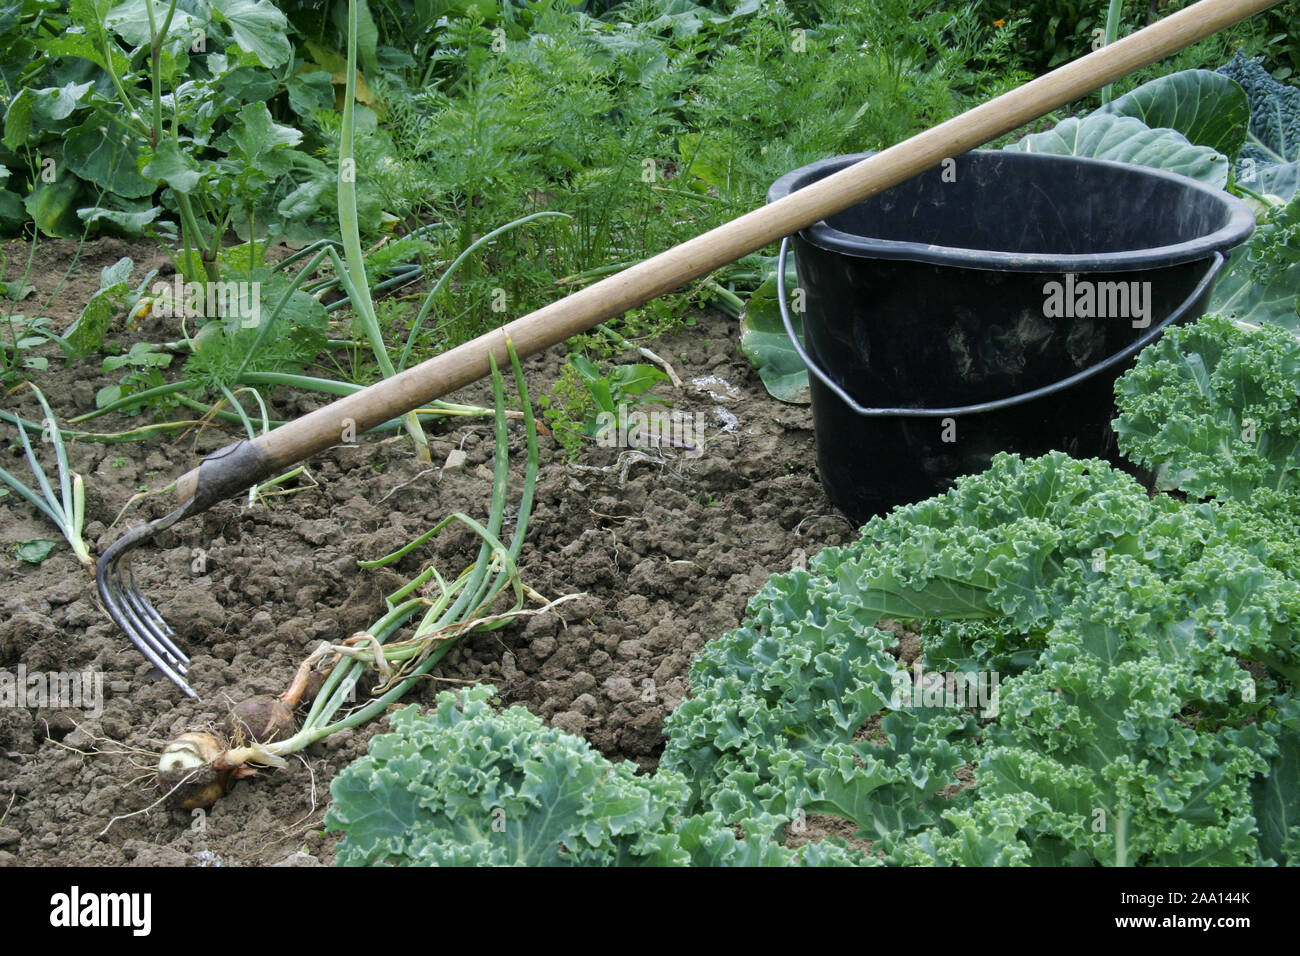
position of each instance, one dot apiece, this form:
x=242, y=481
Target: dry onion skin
x=261, y=719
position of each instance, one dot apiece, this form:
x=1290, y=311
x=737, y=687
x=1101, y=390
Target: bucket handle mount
x=1216, y=263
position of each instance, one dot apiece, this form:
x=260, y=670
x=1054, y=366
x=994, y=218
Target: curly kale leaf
x=996, y=544
x=1270, y=160
x=1273, y=519
x=1277, y=245
x=1261, y=283
x=469, y=786
x=1100, y=740
x=1121, y=725
x=781, y=721
x=1215, y=410
x=1277, y=794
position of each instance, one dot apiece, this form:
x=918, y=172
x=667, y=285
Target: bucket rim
x=1239, y=225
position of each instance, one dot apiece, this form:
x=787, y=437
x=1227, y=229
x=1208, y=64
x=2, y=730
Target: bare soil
x=667, y=548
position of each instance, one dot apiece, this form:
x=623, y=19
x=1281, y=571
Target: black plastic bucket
x=935, y=337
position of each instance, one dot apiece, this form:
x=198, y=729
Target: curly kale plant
x=1270, y=160
x=1124, y=729
x=1261, y=283
x=467, y=785
x=1214, y=409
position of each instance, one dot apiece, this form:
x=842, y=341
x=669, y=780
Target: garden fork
x=236, y=467
x=222, y=474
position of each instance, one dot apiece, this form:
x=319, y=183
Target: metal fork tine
x=155, y=622
x=148, y=651
x=131, y=610
x=147, y=621
x=124, y=606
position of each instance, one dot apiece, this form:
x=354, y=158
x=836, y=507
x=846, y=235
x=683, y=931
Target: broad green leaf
x=10, y=15
x=107, y=395
x=764, y=342
x=1207, y=108
x=52, y=104
x=635, y=379
x=367, y=32
x=302, y=201
x=708, y=159
x=90, y=16
x=310, y=91
x=142, y=355
x=18, y=120
x=602, y=396
x=15, y=291
x=103, y=152
x=12, y=212
x=244, y=83
x=52, y=206
x=117, y=275
x=35, y=551
x=257, y=27
x=329, y=61
x=57, y=103
x=86, y=334
x=1127, y=139
x=173, y=167
x=238, y=259
x=256, y=139
x=130, y=223
x=584, y=367
x=130, y=21
x=82, y=45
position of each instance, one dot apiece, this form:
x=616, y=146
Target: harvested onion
x=261, y=719
x=189, y=770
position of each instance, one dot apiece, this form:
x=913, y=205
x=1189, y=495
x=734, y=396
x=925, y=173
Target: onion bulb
x=187, y=770
x=261, y=720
